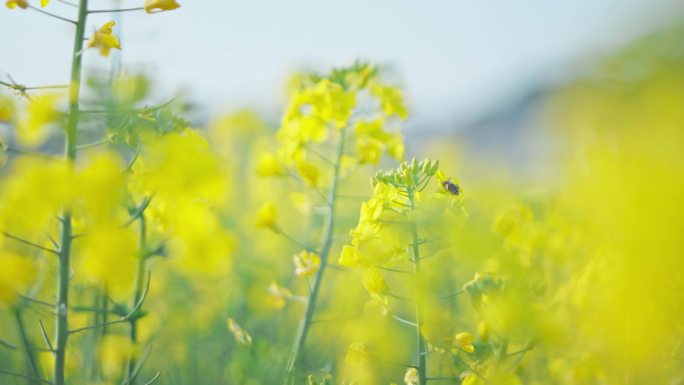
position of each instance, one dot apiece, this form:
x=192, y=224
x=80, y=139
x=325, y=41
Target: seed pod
x=398, y=178
x=434, y=168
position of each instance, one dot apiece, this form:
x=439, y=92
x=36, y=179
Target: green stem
x=306, y=321
x=420, y=340
x=28, y=347
x=137, y=292
x=61, y=320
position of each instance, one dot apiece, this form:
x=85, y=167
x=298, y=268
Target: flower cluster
x=382, y=235
x=324, y=108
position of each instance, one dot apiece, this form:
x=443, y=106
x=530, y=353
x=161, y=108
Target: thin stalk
x=30, y=153
x=420, y=340
x=65, y=233
x=137, y=293
x=9, y=373
x=53, y=15
x=26, y=242
x=305, y=323
x=117, y=10
x=28, y=346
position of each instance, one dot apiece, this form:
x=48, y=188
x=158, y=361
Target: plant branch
x=420, y=340
x=138, y=212
x=156, y=376
x=125, y=318
x=9, y=373
x=28, y=347
x=116, y=10
x=53, y=15
x=303, y=329
x=48, y=304
x=452, y=294
x=24, y=241
x=45, y=336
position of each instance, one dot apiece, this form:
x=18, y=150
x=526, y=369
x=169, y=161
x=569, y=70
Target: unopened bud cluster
x=409, y=176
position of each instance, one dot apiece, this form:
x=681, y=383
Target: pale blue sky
x=453, y=57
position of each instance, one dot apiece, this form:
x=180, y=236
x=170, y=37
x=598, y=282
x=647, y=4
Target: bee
x=451, y=187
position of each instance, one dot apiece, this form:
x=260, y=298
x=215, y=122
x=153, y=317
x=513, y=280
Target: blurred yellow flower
x=267, y=216
x=180, y=167
x=32, y=126
x=241, y=336
x=11, y=4
x=391, y=100
x=270, y=165
x=198, y=242
x=278, y=295
x=104, y=40
x=7, y=108
x=374, y=282
x=356, y=354
x=483, y=331
x=33, y=193
x=306, y=263
x=349, y=256
x=464, y=341
x=72, y=366
x=106, y=256
x=302, y=203
x=114, y=353
x=16, y=274
x=372, y=139
x=161, y=5
x=309, y=172
x=100, y=189
x=369, y=150
x=411, y=376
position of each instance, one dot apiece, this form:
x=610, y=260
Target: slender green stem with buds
x=61, y=321
x=420, y=340
x=138, y=292
x=29, y=349
x=306, y=321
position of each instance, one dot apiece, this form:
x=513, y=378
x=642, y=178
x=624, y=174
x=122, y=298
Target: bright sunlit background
x=455, y=59
x=342, y=193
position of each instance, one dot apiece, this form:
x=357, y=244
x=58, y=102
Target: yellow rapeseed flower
x=104, y=40
x=267, y=216
x=464, y=341
x=161, y=5
x=198, y=242
x=179, y=167
x=411, y=376
x=278, y=295
x=391, y=100
x=306, y=263
x=349, y=256
x=270, y=165
x=356, y=354
x=114, y=353
x=107, y=257
x=33, y=193
x=16, y=275
x=101, y=186
x=6, y=108
x=32, y=127
x=241, y=335
x=309, y=173
x=11, y=4
x=369, y=150
x=374, y=282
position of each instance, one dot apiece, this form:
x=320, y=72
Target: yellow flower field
x=330, y=246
